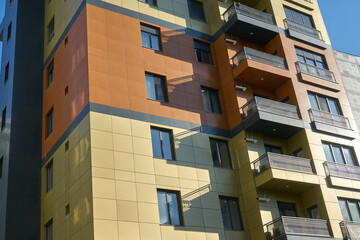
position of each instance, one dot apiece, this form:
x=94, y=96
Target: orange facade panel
x=68, y=93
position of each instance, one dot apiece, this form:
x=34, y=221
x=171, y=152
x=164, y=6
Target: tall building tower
x=175, y=119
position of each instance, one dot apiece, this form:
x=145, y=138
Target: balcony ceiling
x=284, y=185
x=250, y=3
x=261, y=74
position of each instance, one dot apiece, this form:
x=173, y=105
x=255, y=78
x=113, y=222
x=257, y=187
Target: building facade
x=179, y=119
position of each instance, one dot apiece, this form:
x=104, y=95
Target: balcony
x=304, y=3
x=259, y=68
x=341, y=175
x=288, y=228
x=350, y=230
x=331, y=123
x=317, y=76
x=284, y=173
x=249, y=24
x=304, y=33
x=271, y=118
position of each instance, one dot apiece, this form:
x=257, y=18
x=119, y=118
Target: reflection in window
x=339, y=154
x=169, y=207
x=162, y=143
x=220, y=153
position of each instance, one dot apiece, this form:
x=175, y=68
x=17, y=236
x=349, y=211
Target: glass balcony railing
x=312, y=32
x=258, y=56
x=282, y=161
x=350, y=230
x=342, y=170
x=283, y=226
x=270, y=106
x=329, y=118
x=238, y=8
x=315, y=71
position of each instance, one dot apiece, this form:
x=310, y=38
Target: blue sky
x=342, y=19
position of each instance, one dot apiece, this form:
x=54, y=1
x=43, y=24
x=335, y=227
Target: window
x=350, y=210
x=325, y=104
x=7, y=73
x=169, y=207
x=196, y=10
x=162, y=143
x=150, y=37
x=211, y=100
x=339, y=154
x=273, y=149
x=49, y=230
x=49, y=176
x=287, y=209
x=314, y=212
x=230, y=213
x=156, y=87
x=50, y=122
x=1, y=166
x=9, y=33
x=50, y=29
x=150, y=2
x=299, y=153
x=220, y=153
x=299, y=17
x=203, y=52
x=50, y=73
x=311, y=58
x=3, y=119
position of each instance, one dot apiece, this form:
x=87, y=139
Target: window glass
x=328, y=153
x=334, y=108
x=344, y=210
x=49, y=176
x=162, y=143
x=314, y=212
x=311, y=58
x=50, y=122
x=323, y=104
x=203, y=52
x=169, y=208
x=230, y=213
x=1, y=166
x=9, y=32
x=299, y=17
x=150, y=37
x=273, y=149
x=299, y=153
x=354, y=211
x=220, y=153
x=196, y=10
x=350, y=159
x=287, y=209
x=49, y=230
x=156, y=87
x=51, y=30
x=150, y=2
x=339, y=158
x=7, y=72
x=313, y=102
x=50, y=73
x=211, y=100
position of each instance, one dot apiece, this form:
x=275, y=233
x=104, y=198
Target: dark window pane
x=163, y=209
x=224, y=154
x=203, y=52
x=49, y=230
x=287, y=209
x=344, y=210
x=206, y=99
x=310, y=62
x=215, y=153
x=150, y=37
x=155, y=42
x=225, y=213
x=150, y=87
x=339, y=158
x=50, y=122
x=3, y=119
x=328, y=154
x=288, y=13
x=156, y=143
x=307, y=20
x=196, y=10
x=323, y=104
x=299, y=17
x=215, y=101
x=159, y=89
x=235, y=215
x=173, y=208
x=50, y=73
x=156, y=87
x=1, y=166
x=49, y=176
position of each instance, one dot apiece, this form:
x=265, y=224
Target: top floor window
x=350, y=210
x=325, y=104
x=196, y=10
x=299, y=17
x=150, y=37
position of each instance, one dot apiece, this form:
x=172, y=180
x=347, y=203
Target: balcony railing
x=283, y=226
x=282, y=161
x=350, y=230
x=258, y=56
x=329, y=118
x=312, y=32
x=249, y=12
x=315, y=71
x=266, y=105
x=342, y=170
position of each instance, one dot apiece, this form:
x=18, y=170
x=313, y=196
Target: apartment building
x=175, y=119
